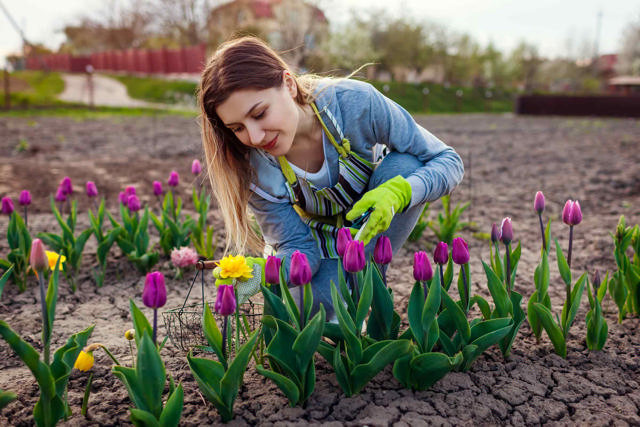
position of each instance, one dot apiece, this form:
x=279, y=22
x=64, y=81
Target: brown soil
x=507, y=160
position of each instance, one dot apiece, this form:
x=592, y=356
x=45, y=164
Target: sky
x=548, y=24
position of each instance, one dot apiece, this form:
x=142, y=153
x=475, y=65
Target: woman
x=304, y=155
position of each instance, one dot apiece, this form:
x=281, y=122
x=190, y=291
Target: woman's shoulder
x=331, y=91
x=269, y=179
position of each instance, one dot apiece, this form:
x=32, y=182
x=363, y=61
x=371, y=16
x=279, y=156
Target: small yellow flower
x=53, y=259
x=84, y=362
x=130, y=334
x=235, y=267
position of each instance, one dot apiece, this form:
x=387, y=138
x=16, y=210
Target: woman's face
x=265, y=119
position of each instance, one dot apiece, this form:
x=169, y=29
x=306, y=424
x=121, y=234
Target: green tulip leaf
x=141, y=418
x=565, y=271
x=287, y=386
x=553, y=330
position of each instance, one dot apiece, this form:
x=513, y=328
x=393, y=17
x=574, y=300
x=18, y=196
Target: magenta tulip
x=7, y=206
x=225, y=300
x=130, y=191
x=272, y=270
x=38, y=258
x=92, y=190
x=25, y=198
x=344, y=237
x=538, y=202
x=353, y=260
x=196, y=167
x=571, y=213
x=460, y=251
x=299, y=270
x=157, y=188
x=66, y=186
x=60, y=196
x=124, y=199
x=154, y=294
x=133, y=202
x=441, y=254
x=422, y=270
x=383, y=253
x=506, y=231
x=495, y=233
x=174, y=179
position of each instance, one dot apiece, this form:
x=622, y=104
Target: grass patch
x=159, y=90
x=81, y=112
x=30, y=88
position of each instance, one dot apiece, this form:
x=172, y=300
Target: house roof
x=625, y=81
x=263, y=8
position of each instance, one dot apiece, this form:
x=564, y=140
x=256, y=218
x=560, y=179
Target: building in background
x=293, y=27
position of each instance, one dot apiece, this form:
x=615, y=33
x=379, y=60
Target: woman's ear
x=290, y=83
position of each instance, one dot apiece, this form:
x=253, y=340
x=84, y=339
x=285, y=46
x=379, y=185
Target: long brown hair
x=243, y=63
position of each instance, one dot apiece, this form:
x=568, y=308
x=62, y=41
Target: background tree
x=629, y=56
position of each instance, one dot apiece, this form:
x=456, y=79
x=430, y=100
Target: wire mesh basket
x=184, y=324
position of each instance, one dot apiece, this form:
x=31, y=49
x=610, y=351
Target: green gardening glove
x=386, y=200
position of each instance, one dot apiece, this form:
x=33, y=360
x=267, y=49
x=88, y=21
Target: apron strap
x=345, y=149
x=287, y=171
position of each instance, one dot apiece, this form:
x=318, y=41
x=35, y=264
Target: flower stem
x=355, y=288
x=426, y=290
x=155, y=324
x=544, y=240
x=46, y=333
x=106, y=350
x=508, y=272
x=441, y=284
x=133, y=359
x=570, y=245
x=466, y=288
x=87, y=392
x=301, y=308
x=224, y=336
x=26, y=220
x=383, y=268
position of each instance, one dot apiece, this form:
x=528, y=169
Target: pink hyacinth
x=184, y=257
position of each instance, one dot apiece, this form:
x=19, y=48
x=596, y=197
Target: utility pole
x=596, y=54
x=25, y=43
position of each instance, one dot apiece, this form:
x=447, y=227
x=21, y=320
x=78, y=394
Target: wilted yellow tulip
x=84, y=362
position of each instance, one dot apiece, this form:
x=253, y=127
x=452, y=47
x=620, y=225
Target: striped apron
x=322, y=209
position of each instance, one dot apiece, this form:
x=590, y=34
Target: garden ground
x=507, y=160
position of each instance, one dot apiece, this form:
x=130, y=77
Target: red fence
x=145, y=61
x=553, y=105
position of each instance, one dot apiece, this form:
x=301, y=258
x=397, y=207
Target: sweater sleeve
x=393, y=126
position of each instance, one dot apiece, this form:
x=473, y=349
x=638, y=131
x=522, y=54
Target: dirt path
x=507, y=160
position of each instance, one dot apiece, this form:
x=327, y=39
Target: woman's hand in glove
x=386, y=200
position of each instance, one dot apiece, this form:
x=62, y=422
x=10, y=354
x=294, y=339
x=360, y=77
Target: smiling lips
x=270, y=145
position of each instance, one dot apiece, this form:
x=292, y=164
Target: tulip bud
x=84, y=362
x=354, y=260
x=130, y=334
x=130, y=190
x=25, y=198
x=299, y=270
x=60, y=196
x=506, y=233
x=441, y=254
x=383, y=252
x=422, y=270
x=38, y=259
x=124, y=199
x=571, y=213
x=272, y=270
x=154, y=294
x=133, y=202
x=344, y=237
x=196, y=168
x=225, y=300
x=538, y=203
x=92, y=190
x=66, y=186
x=460, y=251
x=7, y=206
x=495, y=233
x=157, y=188
x=174, y=179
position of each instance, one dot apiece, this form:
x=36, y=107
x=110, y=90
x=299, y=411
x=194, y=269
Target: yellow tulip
x=84, y=362
x=53, y=259
x=130, y=334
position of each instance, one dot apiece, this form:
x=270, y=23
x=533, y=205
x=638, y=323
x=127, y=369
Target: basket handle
x=206, y=265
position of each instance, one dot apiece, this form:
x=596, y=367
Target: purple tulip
x=422, y=270
x=506, y=231
x=196, y=167
x=130, y=191
x=38, y=258
x=495, y=233
x=174, y=179
x=272, y=270
x=572, y=214
x=344, y=237
x=299, y=271
x=225, y=300
x=354, y=260
x=383, y=252
x=7, y=206
x=25, y=198
x=133, y=202
x=92, y=190
x=460, y=251
x=538, y=203
x=66, y=186
x=60, y=196
x=157, y=188
x=154, y=294
x=441, y=253
x=124, y=199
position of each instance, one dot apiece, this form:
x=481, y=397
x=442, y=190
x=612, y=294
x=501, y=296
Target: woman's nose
x=256, y=134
